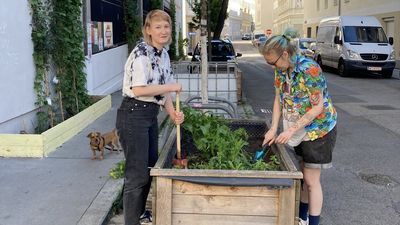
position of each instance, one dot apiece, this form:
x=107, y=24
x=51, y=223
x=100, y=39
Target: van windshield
x=364, y=34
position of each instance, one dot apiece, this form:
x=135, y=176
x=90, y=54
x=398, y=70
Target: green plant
x=172, y=46
x=218, y=145
x=181, y=44
x=41, y=55
x=68, y=56
x=119, y=170
x=157, y=4
x=132, y=23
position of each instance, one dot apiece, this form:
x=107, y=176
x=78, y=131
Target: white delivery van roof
x=368, y=21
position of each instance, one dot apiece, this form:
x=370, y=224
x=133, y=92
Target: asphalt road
x=363, y=187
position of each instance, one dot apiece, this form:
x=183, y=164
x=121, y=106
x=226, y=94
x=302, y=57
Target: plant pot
x=200, y=197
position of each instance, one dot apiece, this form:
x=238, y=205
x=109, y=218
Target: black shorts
x=317, y=153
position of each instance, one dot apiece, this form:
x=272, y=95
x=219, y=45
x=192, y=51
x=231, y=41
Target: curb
x=99, y=211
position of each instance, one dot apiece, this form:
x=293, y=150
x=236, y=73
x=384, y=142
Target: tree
x=172, y=46
x=218, y=14
x=157, y=4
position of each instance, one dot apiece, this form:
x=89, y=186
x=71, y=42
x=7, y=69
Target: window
x=326, y=4
x=318, y=5
x=308, y=32
x=364, y=34
x=107, y=21
x=335, y=2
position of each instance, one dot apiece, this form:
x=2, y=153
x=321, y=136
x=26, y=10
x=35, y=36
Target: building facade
x=288, y=13
x=106, y=52
x=264, y=16
x=386, y=11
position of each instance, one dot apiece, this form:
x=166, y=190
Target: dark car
x=220, y=51
x=246, y=37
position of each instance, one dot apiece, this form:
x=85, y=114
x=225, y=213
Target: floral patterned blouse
x=147, y=66
x=307, y=80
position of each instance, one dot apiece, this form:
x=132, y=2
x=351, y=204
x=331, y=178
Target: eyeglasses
x=273, y=64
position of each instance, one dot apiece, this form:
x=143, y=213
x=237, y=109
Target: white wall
x=105, y=71
x=17, y=71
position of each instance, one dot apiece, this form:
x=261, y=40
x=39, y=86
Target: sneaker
x=146, y=217
x=303, y=222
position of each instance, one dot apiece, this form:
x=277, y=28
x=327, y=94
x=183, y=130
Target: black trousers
x=138, y=132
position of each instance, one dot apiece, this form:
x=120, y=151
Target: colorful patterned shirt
x=307, y=80
x=147, y=66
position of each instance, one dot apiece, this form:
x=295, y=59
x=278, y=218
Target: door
x=337, y=48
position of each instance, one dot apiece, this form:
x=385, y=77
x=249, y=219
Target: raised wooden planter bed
x=40, y=145
x=225, y=197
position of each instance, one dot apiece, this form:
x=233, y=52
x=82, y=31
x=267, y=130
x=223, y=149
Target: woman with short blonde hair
x=148, y=81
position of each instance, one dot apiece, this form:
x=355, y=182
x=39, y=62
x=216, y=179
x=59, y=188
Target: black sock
x=314, y=220
x=303, y=211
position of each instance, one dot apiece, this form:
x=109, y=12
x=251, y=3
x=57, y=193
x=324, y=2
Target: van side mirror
x=391, y=40
x=190, y=53
x=238, y=54
x=337, y=40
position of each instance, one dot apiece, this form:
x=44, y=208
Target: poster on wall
x=108, y=34
x=100, y=35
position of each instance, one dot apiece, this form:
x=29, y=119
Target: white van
x=354, y=43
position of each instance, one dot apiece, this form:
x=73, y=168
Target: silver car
x=261, y=43
x=307, y=47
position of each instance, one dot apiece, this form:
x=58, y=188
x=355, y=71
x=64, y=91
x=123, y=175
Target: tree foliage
x=132, y=23
x=218, y=14
x=157, y=4
x=172, y=46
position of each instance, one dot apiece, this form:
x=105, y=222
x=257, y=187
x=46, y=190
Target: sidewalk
x=65, y=188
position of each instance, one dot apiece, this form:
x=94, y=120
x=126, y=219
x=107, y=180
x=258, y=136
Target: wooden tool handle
x=178, y=129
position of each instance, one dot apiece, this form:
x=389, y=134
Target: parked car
x=246, y=37
x=261, y=43
x=355, y=43
x=307, y=47
x=256, y=39
x=220, y=51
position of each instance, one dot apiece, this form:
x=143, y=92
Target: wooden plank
x=286, y=160
x=297, y=185
x=165, y=152
x=164, y=201
x=21, y=151
x=64, y=131
x=21, y=145
x=226, y=173
x=181, y=187
x=286, y=206
x=198, y=219
x=21, y=140
x=228, y=205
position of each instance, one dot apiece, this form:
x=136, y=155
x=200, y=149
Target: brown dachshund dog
x=99, y=142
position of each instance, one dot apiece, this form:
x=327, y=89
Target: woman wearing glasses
x=309, y=118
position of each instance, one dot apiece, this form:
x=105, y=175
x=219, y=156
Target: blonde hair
x=284, y=42
x=151, y=16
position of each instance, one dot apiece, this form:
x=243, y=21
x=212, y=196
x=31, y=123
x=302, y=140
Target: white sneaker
x=303, y=222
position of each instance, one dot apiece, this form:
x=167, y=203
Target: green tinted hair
x=284, y=42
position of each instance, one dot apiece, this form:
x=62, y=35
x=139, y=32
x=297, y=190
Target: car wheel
x=387, y=74
x=343, y=72
x=319, y=61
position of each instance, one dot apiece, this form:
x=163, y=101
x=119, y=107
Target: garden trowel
x=262, y=152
